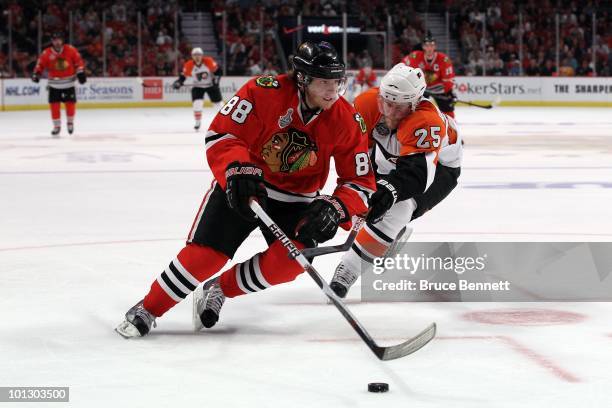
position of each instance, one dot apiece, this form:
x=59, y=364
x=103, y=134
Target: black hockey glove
x=381, y=201
x=452, y=96
x=216, y=79
x=177, y=84
x=81, y=77
x=321, y=219
x=35, y=77
x=244, y=180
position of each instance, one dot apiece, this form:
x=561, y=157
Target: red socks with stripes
x=266, y=269
x=193, y=264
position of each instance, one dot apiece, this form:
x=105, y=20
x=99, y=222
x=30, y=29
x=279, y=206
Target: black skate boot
x=137, y=323
x=343, y=279
x=55, y=132
x=207, y=303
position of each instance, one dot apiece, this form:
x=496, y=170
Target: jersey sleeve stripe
x=214, y=140
x=430, y=158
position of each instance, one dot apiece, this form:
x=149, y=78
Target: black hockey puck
x=378, y=387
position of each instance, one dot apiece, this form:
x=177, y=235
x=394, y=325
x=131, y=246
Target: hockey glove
x=81, y=77
x=321, y=219
x=177, y=84
x=452, y=96
x=244, y=180
x=35, y=77
x=381, y=201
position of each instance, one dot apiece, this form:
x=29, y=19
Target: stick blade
x=409, y=346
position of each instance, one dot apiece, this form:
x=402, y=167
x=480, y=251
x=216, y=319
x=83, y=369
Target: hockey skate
x=197, y=125
x=70, y=128
x=343, y=279
x=55, y=132
x=137, y=323
x=207, y=303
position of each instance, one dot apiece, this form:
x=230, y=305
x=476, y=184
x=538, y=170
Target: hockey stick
x=145, y=85
x=448, y=98
x=312, y=252
x=383, y=353
x=487, y=106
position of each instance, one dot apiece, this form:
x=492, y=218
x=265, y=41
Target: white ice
x=89, y=221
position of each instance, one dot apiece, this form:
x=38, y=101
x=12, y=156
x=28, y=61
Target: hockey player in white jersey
x=205, y=76
x=416, y=153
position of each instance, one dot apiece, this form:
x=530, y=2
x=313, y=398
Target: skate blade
x=127, y=330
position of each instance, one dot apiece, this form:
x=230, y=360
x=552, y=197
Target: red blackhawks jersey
x=62, y=66
x=439, y=73
x=363, y=78
x=263, y=124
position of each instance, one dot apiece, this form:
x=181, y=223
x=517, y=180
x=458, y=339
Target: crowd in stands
x=113, y=23
x=252, y=46
x=494, y=50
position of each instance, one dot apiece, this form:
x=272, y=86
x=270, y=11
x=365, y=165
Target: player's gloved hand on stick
x=244, y=180
x=35, y=77
x=381, y=201
x=81, y=77
x=452, y=96
x=216, y=79
x=177, y=84
x=321, y=220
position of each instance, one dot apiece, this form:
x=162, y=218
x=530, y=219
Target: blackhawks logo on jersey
x=430, y=77
x=267, y=82
x=61, y=64
x=289, y=151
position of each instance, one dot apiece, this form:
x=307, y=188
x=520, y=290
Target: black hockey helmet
x=57, y=34
x=317, y=61
x=429, y=38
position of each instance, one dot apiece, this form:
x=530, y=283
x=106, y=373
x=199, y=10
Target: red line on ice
x=72, y=244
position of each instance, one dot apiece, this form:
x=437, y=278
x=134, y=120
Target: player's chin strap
x=383, y=353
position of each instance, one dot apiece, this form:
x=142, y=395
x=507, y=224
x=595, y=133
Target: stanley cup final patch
x=285, y=120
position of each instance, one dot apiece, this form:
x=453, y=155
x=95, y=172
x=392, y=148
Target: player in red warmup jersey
x=364, y=80
x=63, y=64
x=439, y=74
x=273, y=141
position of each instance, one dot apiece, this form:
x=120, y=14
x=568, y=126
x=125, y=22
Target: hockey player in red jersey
x=272, y=141
x=439, y=74
x=416, y=154
x=63, y=64
x=364, y=80
x=205, y=76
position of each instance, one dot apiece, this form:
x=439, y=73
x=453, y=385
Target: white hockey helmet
x=403, y=85
x=197, y=51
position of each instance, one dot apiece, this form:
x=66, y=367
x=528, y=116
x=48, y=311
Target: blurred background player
x=63, y=64
x=205, y=76
x=364, y=80
x=272, y=141
x=416, y=158
x=439, y=74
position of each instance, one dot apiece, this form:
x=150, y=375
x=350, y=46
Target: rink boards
x=23, y=94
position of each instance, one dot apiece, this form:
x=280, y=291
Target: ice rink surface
x=89, y=221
